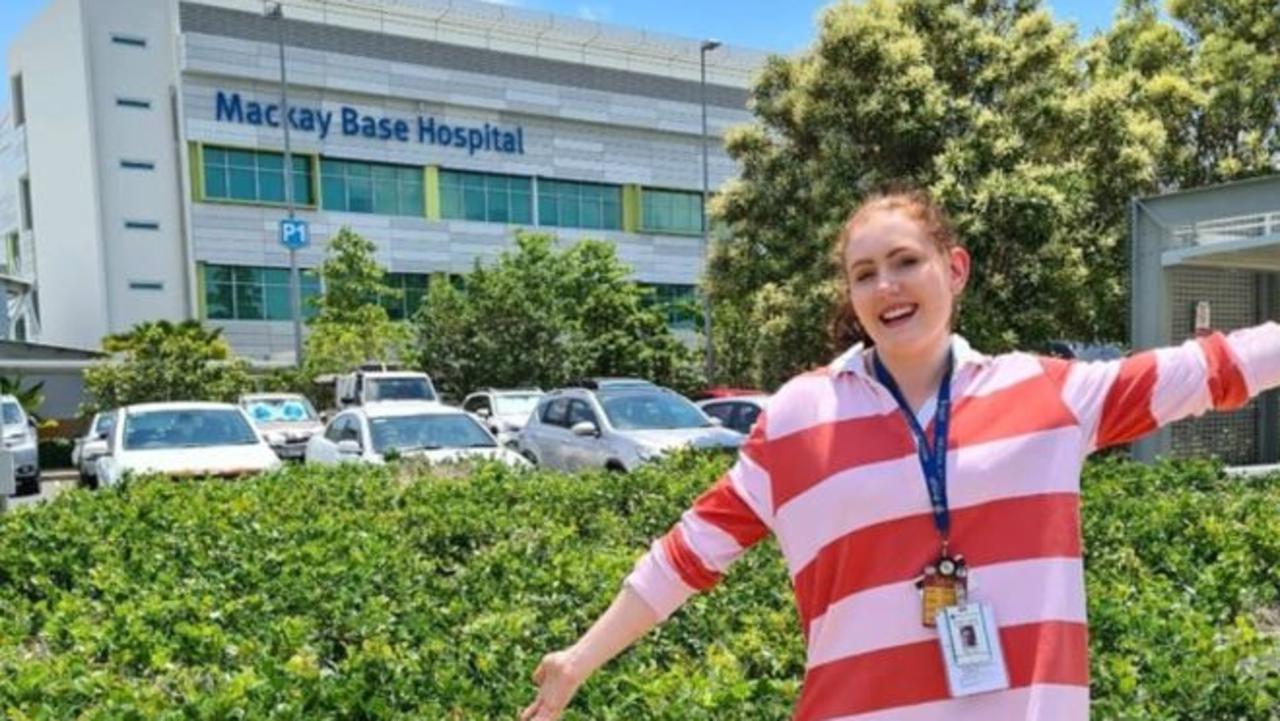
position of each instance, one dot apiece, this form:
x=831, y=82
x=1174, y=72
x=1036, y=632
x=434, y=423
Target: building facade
x=1209, y=259
x=143, y=173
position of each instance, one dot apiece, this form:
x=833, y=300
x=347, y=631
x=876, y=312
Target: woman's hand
x=558, y=679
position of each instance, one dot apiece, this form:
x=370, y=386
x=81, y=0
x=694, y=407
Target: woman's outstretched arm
x=560, y=674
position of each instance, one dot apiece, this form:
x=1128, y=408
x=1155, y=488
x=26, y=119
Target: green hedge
x=55, y=453
x=360, y=594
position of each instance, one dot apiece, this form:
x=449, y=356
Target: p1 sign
x=294, y=234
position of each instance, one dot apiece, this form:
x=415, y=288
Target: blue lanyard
x=933, y=461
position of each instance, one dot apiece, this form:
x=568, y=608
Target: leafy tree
x=989, y=105
x=164, y=361
x=543, y=316
x=30, y=397
x=350, y=326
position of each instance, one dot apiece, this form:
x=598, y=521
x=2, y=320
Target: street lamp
x=276, y=12
x=707, y=46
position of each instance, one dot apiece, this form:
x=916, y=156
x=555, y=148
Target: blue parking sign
x=294, y=234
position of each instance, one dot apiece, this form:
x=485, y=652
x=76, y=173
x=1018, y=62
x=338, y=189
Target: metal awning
x=1250, y=242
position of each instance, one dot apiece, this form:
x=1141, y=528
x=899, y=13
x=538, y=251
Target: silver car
x=503, y=411
x=18, y=431
x=286, y=420
x=737, y=413
x=85, y=454
x=616, y=426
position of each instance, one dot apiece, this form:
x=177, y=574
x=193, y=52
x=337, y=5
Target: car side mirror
x=31, y=421
x=585, y=428
x=716, y=421
x=349, y=448
x=483, y=412
x=95, y=448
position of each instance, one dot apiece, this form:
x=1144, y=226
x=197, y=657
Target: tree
x=30, y=397
x=350, y=326
x=164, y=361
x=989, y=105
x=539, y=316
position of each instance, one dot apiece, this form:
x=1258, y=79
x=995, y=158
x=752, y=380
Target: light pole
x=707, y=46
x=276, y=12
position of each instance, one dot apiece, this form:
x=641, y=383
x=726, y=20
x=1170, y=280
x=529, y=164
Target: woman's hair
x=912, y=203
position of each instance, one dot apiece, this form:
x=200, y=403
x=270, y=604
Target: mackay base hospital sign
x=231, y=108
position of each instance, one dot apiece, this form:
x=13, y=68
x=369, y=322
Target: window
x=579, y=412
x=569, y=204
x=254, y=176
x=137, y=165
x=475, y=404
x=371, y=187
x=556, y=413
x=235, y=292
x=24, y=190
x=141, y=225
x=130, y=40
x=19, y=102
x=671, y=211
x=12, y=253
x=412, y=289
x=485, y=197
x=678, y=302
x=138, y=103
x=145, y=285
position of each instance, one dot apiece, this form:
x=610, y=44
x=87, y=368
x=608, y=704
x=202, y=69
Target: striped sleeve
x=1121, y=401
x=721, y=525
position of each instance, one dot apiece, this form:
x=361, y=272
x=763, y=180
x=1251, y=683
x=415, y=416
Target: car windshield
x=187, y=428
x=640, y=411
x=400, y=389
x=429, y=431
x=280, y=410
x=516, y=405
x=12, y=413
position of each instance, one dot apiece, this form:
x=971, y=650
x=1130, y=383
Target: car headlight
x=647, y=453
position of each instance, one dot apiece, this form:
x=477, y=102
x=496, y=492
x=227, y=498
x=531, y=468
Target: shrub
x=390, y=594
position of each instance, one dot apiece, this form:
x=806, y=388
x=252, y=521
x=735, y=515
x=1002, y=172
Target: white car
x=616, y=426
x=503, y=411
x=18, y=432
x=182, y=439
x=737, y=413
x=85, y=462
x=286, y=420
x=432, y=431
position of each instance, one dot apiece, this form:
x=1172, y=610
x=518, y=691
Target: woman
x=891, y=550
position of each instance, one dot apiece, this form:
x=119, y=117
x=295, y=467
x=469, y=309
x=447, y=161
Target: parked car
x=286, y=420
x=433, y=431
x=616, y=427
x=18, y=431
x=378, y=382
x=1083, y=350
x=85, y=462
x=182, y=439
x=503, y=411
x=737, y=413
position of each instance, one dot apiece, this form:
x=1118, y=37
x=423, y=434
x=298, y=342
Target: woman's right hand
x=558, y=679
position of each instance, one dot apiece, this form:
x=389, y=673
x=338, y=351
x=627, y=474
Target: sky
x=777, y=26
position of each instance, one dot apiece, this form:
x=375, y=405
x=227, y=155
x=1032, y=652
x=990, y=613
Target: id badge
x=971, y=649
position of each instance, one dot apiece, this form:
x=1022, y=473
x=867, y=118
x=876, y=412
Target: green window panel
x=679, y=303
x=253, y=176
x=486, y=197
x=671, y=211
x=569, y=204
x=411, y=290
x=355, y=187
x=235, y=292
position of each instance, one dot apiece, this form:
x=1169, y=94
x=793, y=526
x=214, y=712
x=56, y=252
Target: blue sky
x=765, y=24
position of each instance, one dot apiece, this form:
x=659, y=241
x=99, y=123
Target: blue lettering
x=253, y=115
x=508, y=142
x=444, y=135
x=459, y=136
x=303, y=119
x=402, y=131
x=520, y=140
x=325, y=118
x=385, y=129
x=272, y=116
x=350, y=121
x=368, y=127
x=426, y=130
x=475, y=139
x=228, y=107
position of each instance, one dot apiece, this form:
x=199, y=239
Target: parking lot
x=51, y=484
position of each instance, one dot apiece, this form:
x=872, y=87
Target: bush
x=55, y=453
x=383, y=594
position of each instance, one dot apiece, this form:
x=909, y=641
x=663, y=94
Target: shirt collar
x=855, y=359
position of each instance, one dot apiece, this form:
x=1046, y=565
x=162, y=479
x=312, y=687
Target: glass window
x=679, y=303
x=254, y=176
x=234, y=292
x=428, y=432
x=410, y=289
x=485, y=197
x=570, y=204
x=556, y=412
x=356, y=187
x=187, y=428
x=649, y=410
x=280, y=409
x=671, y=211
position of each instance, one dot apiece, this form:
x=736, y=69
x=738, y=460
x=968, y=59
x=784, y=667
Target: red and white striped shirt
x=831, y=470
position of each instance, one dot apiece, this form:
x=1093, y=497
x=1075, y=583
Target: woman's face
x=902, y=286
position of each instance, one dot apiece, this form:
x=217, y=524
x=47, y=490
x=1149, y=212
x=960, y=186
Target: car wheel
x=89, y=481
x=28, y=486
x=615, y=467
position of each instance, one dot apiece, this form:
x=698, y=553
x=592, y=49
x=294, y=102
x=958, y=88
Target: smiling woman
x=918, y=487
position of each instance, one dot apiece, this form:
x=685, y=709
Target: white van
x=380, y=383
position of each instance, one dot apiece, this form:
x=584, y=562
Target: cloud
x=594, y=12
